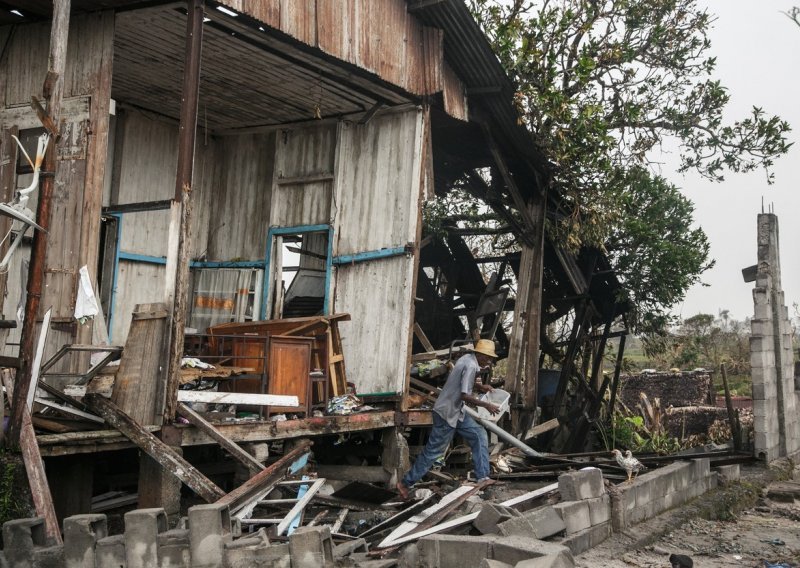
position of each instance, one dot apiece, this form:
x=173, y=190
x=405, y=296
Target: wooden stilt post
x=183, y=192
x=53, y=93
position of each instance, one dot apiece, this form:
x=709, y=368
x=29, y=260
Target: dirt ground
x=756, y=529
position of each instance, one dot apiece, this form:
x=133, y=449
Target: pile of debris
x=471, y=526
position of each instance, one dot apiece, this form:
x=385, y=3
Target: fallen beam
x=155, y=448
x=234, y=449
x=465, y=519
x=260, y=484
x=34, y=467
x=211, y=397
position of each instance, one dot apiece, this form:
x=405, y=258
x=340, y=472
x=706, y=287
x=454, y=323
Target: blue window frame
x=297, y=230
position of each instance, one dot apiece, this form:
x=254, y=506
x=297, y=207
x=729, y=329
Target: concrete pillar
x=311, y=547
x=209, y=531
x=142, y=528
x=81, y=533
x=395, y=459
x=158, y=488
x=776, y=428
x=21, y=539
x=173, y=549
x=110, y=551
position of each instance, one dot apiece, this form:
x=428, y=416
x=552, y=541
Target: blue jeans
x=441, y=435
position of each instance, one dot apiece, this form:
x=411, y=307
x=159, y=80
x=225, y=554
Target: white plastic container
x=498, y=397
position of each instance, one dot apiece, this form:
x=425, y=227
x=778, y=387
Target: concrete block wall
x=654, y=492
x=585, y=508
x=775, y=400
x=146, y=543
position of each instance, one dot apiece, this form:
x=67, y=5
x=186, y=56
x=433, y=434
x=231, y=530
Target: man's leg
x=441, y=435
x=478, y=441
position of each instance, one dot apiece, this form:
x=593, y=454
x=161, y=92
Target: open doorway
x=300, y=265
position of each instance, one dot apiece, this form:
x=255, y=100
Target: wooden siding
x=74, y=230
x=378, y=192
x=237, y=227
x=381, y=37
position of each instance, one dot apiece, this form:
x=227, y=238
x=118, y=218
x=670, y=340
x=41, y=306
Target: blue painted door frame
x=297, y=230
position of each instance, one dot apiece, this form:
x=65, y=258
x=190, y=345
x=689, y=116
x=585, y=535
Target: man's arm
x=475, y=401
x=480, y=387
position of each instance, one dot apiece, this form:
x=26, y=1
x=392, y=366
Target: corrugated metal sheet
x=469, y=54
x=378, y=189
x=381, y=37
x=455, y=95
x=378, y=296
x=303, y=153
x=378, y=182
x=241, y=202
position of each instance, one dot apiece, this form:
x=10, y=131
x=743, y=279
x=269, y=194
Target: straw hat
x=486, y=347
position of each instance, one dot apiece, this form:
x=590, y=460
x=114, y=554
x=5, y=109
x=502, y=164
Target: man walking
x=449, y=417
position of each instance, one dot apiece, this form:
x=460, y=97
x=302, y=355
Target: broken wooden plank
x=234, y=449
x=263, y=482
x=465, y=519
x=541, y=429
x=411, y=524
x=155, y=448
x=138, y=388
x=339, y=520
x=211, y=397
x=34, y=467
x=293, y=515
x=423, y=339
x=399, y=517
x=67, y=409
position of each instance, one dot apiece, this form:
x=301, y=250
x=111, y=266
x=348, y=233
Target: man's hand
x=492, y=408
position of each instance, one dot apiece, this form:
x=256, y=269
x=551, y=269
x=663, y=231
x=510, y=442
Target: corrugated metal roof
x=468, y=52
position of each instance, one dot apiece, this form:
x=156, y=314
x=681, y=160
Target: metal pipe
x=503, y=435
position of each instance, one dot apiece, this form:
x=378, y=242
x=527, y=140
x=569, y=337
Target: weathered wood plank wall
x=74, y=234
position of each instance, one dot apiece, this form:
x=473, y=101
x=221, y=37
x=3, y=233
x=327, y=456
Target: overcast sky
x=758, y=60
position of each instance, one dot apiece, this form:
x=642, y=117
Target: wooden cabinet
x=289, y=362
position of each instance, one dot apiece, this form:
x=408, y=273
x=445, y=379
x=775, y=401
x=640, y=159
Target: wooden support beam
x=575, y=339
x=615, y=381
x=508, y=179
x=155, y=448
x=34, y=467
x=184, y=181
x=234, y=449
x=263, y=482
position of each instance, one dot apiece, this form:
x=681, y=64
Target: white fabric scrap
x=86, y=302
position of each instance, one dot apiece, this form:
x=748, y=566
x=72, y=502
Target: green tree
x=602, y=85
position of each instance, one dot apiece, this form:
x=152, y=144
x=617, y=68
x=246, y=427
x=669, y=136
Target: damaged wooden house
x=243, y=182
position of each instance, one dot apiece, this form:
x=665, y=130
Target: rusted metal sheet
x=381, y=37
x=455, y=96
